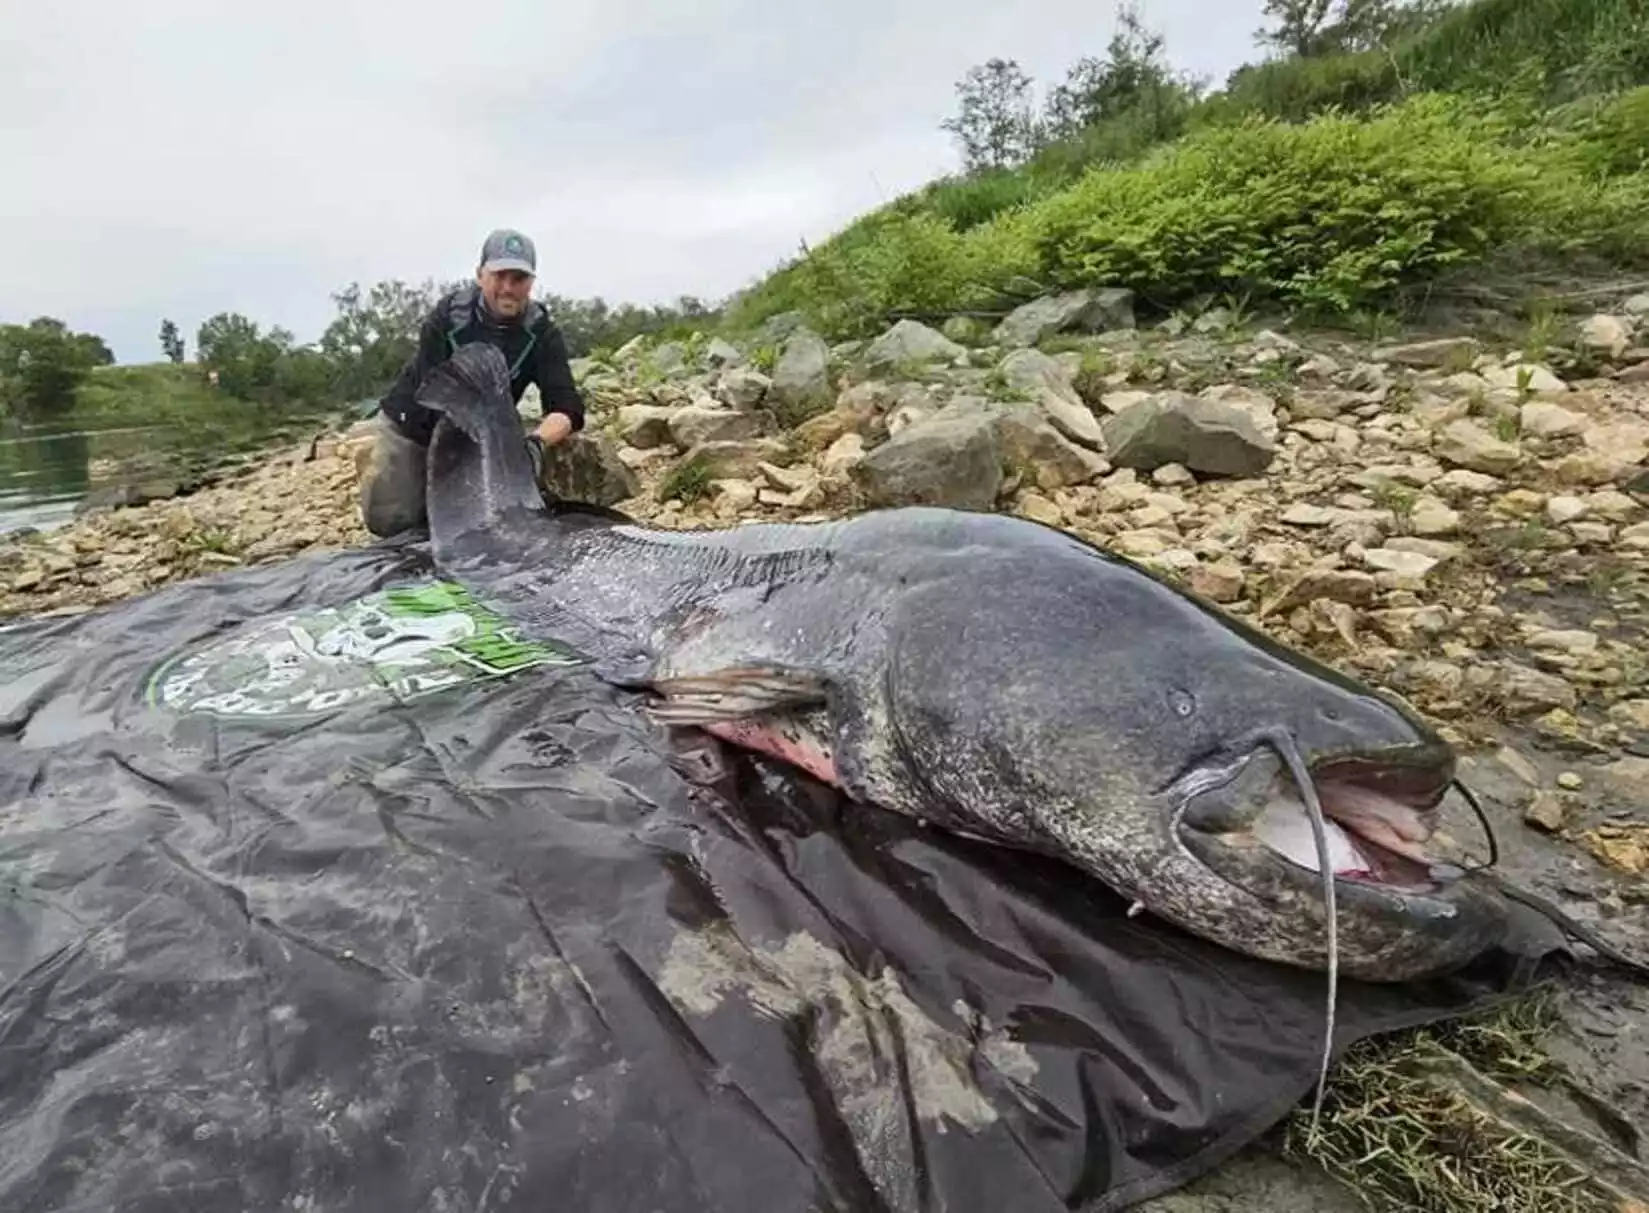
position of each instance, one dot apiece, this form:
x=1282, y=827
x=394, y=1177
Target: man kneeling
x=497, y=308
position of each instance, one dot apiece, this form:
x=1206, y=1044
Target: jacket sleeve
x=398, y=404
x=557, y=393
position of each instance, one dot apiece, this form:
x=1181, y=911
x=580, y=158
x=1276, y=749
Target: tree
x=1132, y=74
x=1299, y=24
x=995, y=125
x=170, y=342
x=1327, y=27
x=43, y=362
x=92, y=350
x=245, y=359
x=589, y=324
x=375, y=333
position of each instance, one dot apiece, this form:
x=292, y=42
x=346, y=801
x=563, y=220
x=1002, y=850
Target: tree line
x=998, y=125
x=373, y=332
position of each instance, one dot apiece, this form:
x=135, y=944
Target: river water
x=46, y=473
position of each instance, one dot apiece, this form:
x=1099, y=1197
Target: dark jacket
x=532, y=345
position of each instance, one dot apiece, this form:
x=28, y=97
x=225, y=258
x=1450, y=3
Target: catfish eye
x=1182, y=703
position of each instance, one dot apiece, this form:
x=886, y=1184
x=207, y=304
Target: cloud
x=180, y=158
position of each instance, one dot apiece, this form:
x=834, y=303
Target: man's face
x=506, y=291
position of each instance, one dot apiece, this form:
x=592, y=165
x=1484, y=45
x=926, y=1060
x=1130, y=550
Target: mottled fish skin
x=985, y=673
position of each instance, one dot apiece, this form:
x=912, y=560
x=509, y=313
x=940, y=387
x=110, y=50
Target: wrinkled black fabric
x=418, y=957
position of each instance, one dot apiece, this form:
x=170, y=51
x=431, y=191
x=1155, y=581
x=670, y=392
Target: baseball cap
x=509, y=250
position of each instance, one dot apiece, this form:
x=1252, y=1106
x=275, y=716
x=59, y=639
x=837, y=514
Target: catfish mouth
x=1379, y=813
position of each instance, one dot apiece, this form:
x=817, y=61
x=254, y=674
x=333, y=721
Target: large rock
x=1207, y=436
x=859, y=408
x=691, y=426
x=631, y=351
x=644, y=426
x=954, y=458
x=669, y=358
x=1260, y=407
x=1029, y=443
x=1091, y=311
x=801, y=380
x=735, y=460
x=969, y=330
x=842, y=454
x=1610, y=336
x=743, y=387
x=778, y=328
x=911, y=342
x=722, y=353
x=1045, y=381
x=1524, y=376
x=1118, y=402
x=1544, y=419
x=820, y=431
x=1612, y=449
x=586, y=467
x=1468, y=445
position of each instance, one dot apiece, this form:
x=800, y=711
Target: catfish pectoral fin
x=735, y=693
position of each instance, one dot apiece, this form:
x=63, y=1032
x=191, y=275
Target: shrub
x=1567, y=47
x=1328, y=215
x=1297, y=89
x=1608, y=136
x=965, y=203
x=907, y=263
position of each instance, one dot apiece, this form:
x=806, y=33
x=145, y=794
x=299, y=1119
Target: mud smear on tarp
x=319, y=891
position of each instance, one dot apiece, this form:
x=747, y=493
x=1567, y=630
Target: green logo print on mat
x=394, y=645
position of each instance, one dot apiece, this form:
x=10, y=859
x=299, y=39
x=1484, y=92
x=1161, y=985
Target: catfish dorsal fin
x=735, y=693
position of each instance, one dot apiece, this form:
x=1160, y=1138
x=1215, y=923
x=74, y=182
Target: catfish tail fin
x=471, y=389
x=479, y=467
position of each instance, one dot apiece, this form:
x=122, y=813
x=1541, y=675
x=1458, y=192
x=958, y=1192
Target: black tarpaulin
x=318, y=892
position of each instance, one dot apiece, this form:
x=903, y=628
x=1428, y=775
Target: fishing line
x=1470, y=798
x=1566, y=924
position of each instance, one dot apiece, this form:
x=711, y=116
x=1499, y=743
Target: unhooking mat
x=321, y=891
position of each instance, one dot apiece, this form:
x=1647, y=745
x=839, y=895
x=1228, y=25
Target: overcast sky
x=183, y=157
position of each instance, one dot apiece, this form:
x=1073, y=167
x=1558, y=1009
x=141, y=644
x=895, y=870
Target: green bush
x=1566, y=48
x=966, y=202
x=1160, y=114
x=1297, y=89
x=1608, y=136
x=1330, y=214
x=908, y=263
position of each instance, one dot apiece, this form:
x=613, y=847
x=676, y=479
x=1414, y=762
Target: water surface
x=45, y=472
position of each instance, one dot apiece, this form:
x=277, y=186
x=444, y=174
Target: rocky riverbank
x=1462, y=522
x=1438, y=514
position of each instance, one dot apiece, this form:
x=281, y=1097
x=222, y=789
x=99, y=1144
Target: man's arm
x=398, y=404
x=558, y=395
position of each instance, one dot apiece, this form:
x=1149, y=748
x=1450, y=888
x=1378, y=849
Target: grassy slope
x=1256, y=191
x=164, y=394
x=150, y=393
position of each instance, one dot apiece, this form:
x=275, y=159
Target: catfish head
x=1082, y=707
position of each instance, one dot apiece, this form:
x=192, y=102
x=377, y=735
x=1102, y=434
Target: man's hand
x=554, y=428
